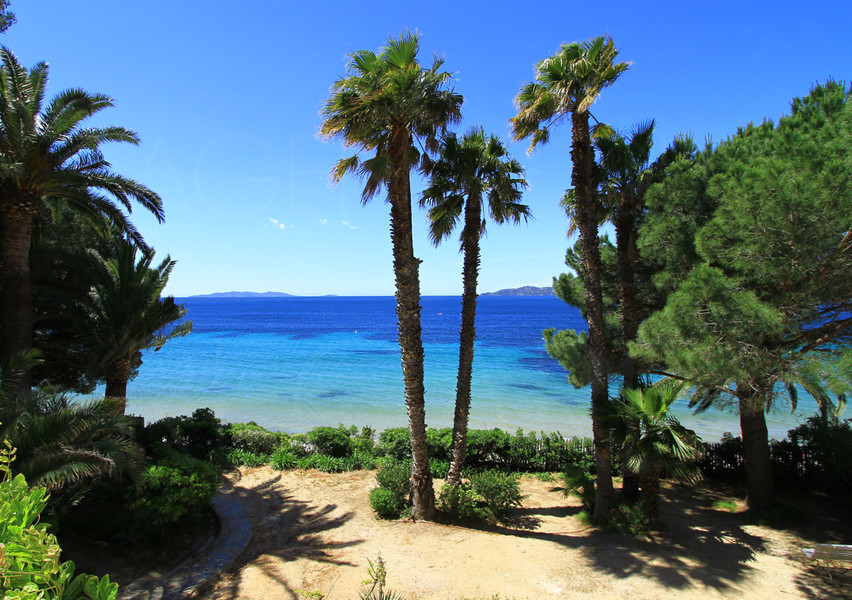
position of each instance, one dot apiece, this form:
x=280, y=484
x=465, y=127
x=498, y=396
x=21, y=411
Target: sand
x=315, y=532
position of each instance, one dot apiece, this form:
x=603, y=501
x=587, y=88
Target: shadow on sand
x=286, y=528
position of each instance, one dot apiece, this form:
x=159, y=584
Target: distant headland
x=244, y=295
x=527, y=290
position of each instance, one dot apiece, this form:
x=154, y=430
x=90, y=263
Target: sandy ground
x=314, y=532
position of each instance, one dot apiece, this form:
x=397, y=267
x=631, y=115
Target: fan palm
x=567, y=84
x=125, y=313
x=390, y=106
x=47, y=158
x=466, y=170
x=60, y=445
x=660, y=445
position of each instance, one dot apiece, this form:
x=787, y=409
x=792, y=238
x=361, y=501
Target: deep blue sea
x=295, y=363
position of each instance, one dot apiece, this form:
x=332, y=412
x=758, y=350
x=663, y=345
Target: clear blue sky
x=226, y=99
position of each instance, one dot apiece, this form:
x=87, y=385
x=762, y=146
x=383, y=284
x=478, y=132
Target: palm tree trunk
x=15, y=287
x=116, y=384
x=467, y=335
x=406, y=271
x=625, y=242
x=582, y=180
x=760, y=491
x=651, y=493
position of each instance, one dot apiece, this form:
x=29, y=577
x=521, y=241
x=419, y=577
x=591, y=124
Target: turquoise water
x=295, y=363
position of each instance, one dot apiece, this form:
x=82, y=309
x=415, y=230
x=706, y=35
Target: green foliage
x=395, y=443
x=199, y=436
x=386, y=503
x=251, y=437
x=500, y=491
x=174, y=493
x=439, y=468
x=324, y=463
x=377, y=582
x=30, y=567
x=245, y=458
x=283, y=459
x=332, y=441
x=632, y=520
x=67, y=446
x=580, y=483
x=462, y=503
x=396, y=477
x=824, y=444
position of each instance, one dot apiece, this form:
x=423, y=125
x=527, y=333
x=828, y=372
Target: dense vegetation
x=728, y=284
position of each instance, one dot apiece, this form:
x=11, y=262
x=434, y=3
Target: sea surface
x=292, y=364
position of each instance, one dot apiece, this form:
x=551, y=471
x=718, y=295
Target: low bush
x=359, y=460
x=331, y=441
x=245, y=458
x=395, y=476
x=200, y=436
x=283, y=459
x=580, y=483
x=462, y=503
x=174, y=494
x=385, y=503
x=439, y=468
x=322, y=462
x=499, y=490
x=253, y=438
x=395, y=443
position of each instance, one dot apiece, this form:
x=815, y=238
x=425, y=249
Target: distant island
x=244, y=295
x=527, y=290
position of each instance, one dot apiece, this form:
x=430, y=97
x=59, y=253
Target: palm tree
x=46, y=159
x=61, y=445
x=568, y=83
x=388, y=104
x=125, y=314
x=465, y=171
x=660, y=444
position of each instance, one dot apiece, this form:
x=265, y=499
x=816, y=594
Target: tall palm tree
x=466, y=170
x=660, y=444
x=568, y=83
x=389, y=105
x=125, y=313
x=48, y=158
x=626, y=173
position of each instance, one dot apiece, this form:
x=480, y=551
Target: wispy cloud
x=323, y=221
x=348, y=224
x=279, y=224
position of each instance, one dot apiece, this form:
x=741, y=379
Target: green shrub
x=462, y=503
x=385, y=503
x=331, y=441
x=581, y=484
x=251, y=437
x=364, y=442
x=439, y=442
x=245, y=458
x=396, y=477
x=499, y=490
x=359, y=460
x=395, y=443
x=175, y=494
x=439, y=468
x=283, y=459
x=199, y=436
x=30, y=568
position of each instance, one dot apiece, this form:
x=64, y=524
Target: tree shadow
x=700, y=545
x=286, y=528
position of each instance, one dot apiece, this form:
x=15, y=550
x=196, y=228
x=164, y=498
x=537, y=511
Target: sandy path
x=315, y=532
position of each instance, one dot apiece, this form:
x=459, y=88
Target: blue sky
x=226, y=99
